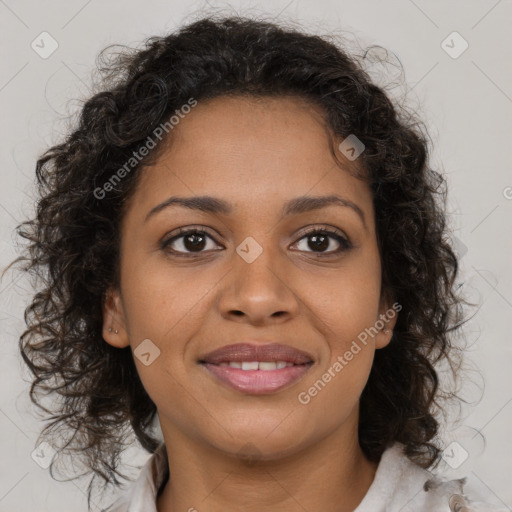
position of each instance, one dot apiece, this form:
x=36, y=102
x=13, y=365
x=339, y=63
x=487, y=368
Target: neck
x=332, y=475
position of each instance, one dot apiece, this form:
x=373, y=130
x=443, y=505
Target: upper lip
x=250, y=352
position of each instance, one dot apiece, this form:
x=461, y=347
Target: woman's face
x=253, y=276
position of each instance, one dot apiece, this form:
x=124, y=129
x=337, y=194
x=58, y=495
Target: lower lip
x=257, y=382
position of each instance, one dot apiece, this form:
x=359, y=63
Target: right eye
x=186, y=243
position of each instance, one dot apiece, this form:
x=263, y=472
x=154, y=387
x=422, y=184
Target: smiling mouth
x=257, y=365
x=257, y=377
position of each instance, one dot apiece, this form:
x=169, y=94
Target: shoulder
x=401, y=485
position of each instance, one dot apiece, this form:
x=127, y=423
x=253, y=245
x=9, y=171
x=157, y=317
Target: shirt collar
x=143, y=494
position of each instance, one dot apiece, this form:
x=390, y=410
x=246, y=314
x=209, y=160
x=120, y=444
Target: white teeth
x=257, y=365
x=249, y=365
x=271, y=365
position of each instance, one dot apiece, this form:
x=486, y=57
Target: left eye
x=319, y=241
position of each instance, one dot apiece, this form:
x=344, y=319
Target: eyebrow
x=295, y=206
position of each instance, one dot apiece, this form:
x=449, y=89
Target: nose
x=259, y=292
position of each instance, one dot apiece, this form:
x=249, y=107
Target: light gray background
x=466, y=101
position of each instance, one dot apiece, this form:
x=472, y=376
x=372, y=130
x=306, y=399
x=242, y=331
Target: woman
x=242, y=239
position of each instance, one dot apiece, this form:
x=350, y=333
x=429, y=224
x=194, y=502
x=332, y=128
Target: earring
x=110, y=330
x=386, y=331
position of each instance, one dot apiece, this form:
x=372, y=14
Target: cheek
x=165, y=310
x=343, y=310
x=165, y=304
x=347, y=302
x=160, y=300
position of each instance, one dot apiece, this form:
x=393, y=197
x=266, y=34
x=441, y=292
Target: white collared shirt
x=399, y=486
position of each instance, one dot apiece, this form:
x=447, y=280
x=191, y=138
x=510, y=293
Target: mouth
x=257, y=369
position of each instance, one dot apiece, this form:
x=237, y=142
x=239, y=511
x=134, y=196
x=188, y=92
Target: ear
x=114, y=325
x=388, y=315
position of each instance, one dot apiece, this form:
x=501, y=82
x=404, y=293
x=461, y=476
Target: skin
x=256, y=154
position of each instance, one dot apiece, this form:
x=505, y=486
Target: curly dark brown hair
x=97, y=402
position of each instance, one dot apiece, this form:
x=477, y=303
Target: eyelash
x=345, y=244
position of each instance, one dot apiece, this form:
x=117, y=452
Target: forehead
x=243, y=148
x=258, y=125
